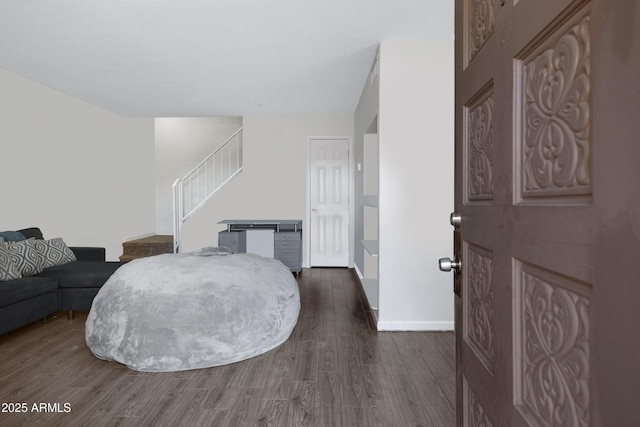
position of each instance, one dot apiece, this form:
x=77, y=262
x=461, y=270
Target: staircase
x=198, y=186
x=147, y=246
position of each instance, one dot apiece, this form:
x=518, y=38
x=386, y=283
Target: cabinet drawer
x=287, y=254
x=287, y=236
x=288, y=249
x=287, y=245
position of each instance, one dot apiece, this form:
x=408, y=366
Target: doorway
x=328, y=196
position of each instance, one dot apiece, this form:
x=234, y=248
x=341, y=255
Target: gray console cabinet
x=236, y=241
x=287, y=238
x=288, y=249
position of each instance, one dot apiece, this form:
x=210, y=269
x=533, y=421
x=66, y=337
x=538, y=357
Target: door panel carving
x=479, y=146
x=555, y=123
x=474, y=412
x=479, y=304
x=552, y=357
x=480, y=25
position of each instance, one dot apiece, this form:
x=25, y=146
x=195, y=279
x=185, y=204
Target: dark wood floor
x=335, y=370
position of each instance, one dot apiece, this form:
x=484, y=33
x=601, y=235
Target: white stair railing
x=198, y=186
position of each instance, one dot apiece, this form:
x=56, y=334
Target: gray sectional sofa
x=72, y=277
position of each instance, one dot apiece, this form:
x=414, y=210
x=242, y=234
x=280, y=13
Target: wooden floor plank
x=273, y=413
x=335, y=370
x=329, y=399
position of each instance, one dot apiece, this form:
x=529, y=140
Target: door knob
x=448, y=264
x=455, y=219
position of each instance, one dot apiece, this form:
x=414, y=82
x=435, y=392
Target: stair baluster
x=192, y=191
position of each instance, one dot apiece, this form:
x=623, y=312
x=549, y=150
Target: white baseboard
x=360, y=275
x=409, y=325
x=415, y=326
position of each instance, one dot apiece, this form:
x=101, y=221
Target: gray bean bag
x=176, y=312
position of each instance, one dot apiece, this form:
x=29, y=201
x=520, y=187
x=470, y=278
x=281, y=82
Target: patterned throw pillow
x=25, y=256
x=53, y=252
x=8, y=270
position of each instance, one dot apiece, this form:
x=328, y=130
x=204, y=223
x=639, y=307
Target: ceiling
x=187, y=58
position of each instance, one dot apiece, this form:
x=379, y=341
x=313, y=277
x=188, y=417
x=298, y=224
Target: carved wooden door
x=547, y=155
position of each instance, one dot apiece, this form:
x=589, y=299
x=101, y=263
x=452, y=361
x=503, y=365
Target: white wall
x=273, y=184
x=181, y=144
x=73, y=169
x=416, y=140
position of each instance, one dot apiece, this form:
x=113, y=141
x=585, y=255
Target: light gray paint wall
x=74, y=170
x=181, y=144
x=273, y=184
x=416, y=143
x=412, y=100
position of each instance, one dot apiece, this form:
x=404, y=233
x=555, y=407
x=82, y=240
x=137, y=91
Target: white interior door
x=329, y=202
x=547, y=154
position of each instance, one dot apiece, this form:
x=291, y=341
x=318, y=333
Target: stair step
x=147, y=246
